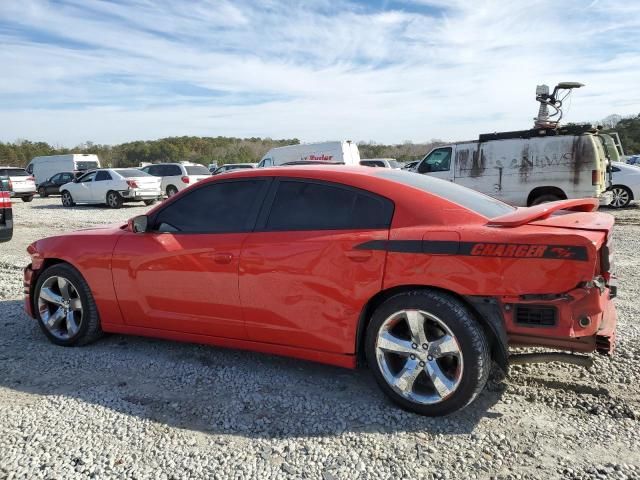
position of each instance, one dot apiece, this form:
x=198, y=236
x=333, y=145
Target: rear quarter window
x=196, y=170
x=470, y=199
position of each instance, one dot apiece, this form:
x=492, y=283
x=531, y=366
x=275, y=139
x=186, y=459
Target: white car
x=625, y=184
x=18, y=182
x=177, y=176
x=113, y=187
x=381, y=162
x=232, y=166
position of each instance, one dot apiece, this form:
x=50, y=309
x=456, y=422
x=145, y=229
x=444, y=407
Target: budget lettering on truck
x=338, y=152
x=529, y=167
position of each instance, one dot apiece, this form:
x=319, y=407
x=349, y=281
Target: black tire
x=42, y=192
x=67, y=199
x=27, y=199
x=622, y=196
x=113, y=199
x=171, y=191
x=547, y=197
x=470, y=337
x=149, y=202
x=89, y=326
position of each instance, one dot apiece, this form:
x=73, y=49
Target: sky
x=386, y=71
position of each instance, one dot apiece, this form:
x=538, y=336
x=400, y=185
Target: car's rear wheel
x=27, y=199
x=621, y=196
x=42, y=192
x=427, y=352
x=67, y=199
x=114, y=200
x=65, y=307
x=149, y=202
x=171, y=191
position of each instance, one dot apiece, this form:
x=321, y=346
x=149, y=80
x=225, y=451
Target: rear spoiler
x=522, y=216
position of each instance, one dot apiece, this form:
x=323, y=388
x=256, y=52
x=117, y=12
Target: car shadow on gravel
x=210, y=389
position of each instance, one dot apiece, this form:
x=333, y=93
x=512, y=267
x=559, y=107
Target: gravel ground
x=129, y=407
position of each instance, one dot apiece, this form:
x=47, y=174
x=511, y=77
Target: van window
x=267, y=162
x=437, y=161
x=470, y=199
x=196, y=170
x=372, y=163
x=306, y=205
x=86, y=165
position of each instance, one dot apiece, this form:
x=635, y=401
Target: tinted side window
x=300, y=205
x=56, y=178
x=217, y=208
x=173, y=170
x=103, y=175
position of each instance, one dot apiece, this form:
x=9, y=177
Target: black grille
x=536, y=316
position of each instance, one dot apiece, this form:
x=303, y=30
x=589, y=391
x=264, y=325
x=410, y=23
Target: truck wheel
x=427, y=352
x=621, y=196
x=114, y=200
x=171, y=191
x=545, y=198
x=27, y=199
x=42, y=192
x=67, y=199
x=65, y=307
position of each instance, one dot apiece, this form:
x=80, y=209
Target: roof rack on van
x=539, y=132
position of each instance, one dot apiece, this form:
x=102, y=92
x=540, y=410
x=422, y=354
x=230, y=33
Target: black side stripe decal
x=479, y=249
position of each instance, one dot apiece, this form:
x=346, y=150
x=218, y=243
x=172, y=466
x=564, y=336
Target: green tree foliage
x=403, y=152
x=629, y=131
x=202, y=150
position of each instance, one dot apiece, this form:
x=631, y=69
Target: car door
x=303, y=280
x=81, y=191
x=101, y=185
x=182, y=274
x=61, y=179
x=438, y=163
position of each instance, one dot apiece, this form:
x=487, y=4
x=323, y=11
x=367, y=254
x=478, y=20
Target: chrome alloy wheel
x=620, y=197
x=112, y=200
x=60, y=307
x=419, y=356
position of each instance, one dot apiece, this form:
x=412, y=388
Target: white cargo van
x=527, y=167
x=43, y=168
x=344, y=152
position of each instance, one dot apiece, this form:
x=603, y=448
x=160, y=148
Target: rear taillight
x=185, y=179
x=595, y=177
x=132, y=184
x=5, y=200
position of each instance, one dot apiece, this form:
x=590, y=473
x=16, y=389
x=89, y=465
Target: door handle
x=358, y=255
x=222, y=258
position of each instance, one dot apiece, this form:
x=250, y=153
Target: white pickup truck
x=528, y=167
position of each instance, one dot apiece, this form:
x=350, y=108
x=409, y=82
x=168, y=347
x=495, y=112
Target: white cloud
x=111, y=71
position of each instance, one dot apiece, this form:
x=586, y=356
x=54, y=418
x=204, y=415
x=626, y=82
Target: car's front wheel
x=67, y=199
x=427, y=352
x=65, y=307
x=114, y=200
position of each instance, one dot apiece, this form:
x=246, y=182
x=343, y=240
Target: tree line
x=222, y=150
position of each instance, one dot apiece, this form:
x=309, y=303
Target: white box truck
x=43, y=168
x=339, y=152
x=530, y=167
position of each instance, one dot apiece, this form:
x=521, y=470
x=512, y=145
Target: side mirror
x=138, y=224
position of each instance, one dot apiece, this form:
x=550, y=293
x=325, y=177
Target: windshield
x=196, y=170
x=470, y=199
x=132, y=172
x=87, y=165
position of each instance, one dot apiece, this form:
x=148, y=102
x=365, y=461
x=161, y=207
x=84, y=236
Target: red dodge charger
x=424, y=281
